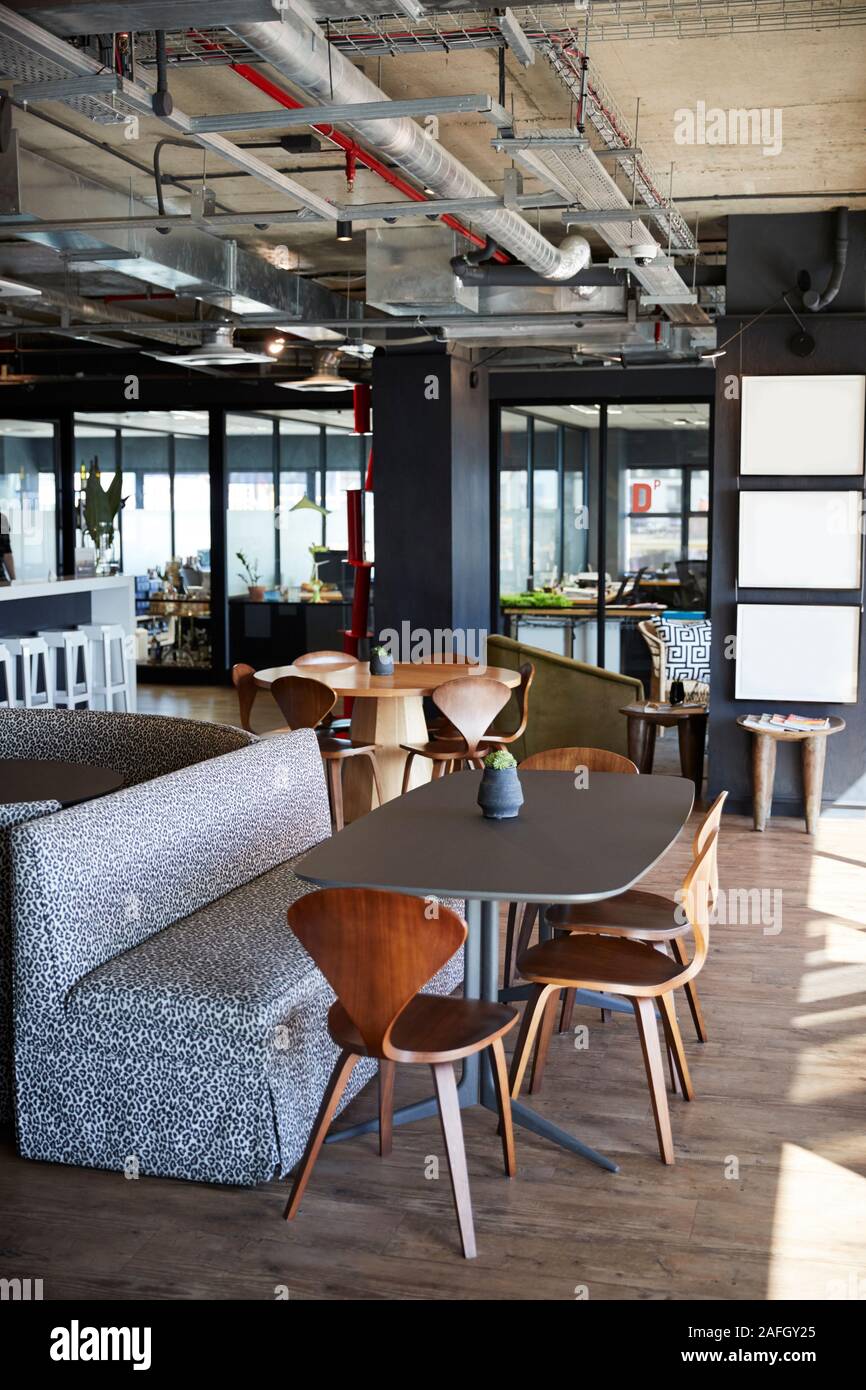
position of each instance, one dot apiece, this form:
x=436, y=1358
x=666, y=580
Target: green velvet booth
x=570, y=704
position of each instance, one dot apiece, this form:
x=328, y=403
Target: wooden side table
x=813, y=754
x=644, y=720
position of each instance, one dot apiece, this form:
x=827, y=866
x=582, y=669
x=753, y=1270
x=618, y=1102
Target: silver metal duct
x=189, y=262
x=301, y=53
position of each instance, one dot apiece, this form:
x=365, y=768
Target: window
x=28, y=496
x=658, y=466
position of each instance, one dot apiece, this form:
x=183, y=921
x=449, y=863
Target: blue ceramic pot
x=500, y=794
x=381, y=665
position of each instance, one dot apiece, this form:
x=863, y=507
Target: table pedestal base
x=386, y=723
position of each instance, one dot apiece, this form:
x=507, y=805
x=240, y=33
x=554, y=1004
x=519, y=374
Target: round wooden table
x=46, y=779
x=646, y=717
x=387, y=711
x=812, y=753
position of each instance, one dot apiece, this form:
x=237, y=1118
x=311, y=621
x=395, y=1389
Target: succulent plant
x=500, y=760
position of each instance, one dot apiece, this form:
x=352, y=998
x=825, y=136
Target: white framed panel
x=797, y=653
x=802, y=425
x=800, y=540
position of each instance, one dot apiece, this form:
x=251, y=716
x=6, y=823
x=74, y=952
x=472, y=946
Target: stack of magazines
x=788, y=723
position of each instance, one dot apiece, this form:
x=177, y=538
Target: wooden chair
x=470, y=703
x=244, y=682
x=304, y=703
x=552, y=760
x=377, y=950
x=497, y=740
x=331, y=661
x=643, y=916
x=633, y=969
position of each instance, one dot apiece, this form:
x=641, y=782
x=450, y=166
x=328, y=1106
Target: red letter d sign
x=641, y=497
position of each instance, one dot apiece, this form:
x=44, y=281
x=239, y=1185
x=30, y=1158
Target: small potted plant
x=251, y=577
x=381, y=660
x=500, y=794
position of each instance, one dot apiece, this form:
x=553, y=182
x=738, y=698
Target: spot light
x=344, y=231
x=275, y=346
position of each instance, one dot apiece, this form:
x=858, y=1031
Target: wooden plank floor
x=767, y=1198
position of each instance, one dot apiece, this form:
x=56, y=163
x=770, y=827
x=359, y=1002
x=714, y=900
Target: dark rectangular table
x=570, y=844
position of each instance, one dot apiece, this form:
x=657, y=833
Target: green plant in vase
x=251, y=576
x=101, y=507
x=500, y=794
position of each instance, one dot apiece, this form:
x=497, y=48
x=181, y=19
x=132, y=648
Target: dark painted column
x=431, y=471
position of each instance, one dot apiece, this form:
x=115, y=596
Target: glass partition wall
x=267, y=485
x=589, y=489
x=28, y=500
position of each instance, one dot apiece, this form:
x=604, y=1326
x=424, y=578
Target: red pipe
x=352, y=148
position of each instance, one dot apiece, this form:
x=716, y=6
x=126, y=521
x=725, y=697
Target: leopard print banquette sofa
x=138, y=746
x=167, y=1021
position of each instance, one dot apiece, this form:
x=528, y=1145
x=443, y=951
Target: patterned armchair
x=165, y=1015
x=679, y=650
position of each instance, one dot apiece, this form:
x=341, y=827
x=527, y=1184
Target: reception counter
x=26, y=606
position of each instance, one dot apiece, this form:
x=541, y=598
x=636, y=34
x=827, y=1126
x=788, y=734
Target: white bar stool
x=7, y=674
x=108, y=662
x=75, y=648
x=32, y=652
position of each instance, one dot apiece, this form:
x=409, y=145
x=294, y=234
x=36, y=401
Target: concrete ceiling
x=814, y=77
x=811, y=76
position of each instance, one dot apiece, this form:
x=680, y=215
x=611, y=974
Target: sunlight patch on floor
x=820, y=1207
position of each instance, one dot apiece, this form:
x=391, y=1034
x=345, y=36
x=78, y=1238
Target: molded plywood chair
x=377, y=951
x=304, y=704
x=629, y=968
x=497, y=740
x=470, y=704
x=330, y=661
x=243, y=680
x=553, y=760
x=644, y=916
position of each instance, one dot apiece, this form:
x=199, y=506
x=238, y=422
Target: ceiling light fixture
x=344, y=231
x=326, y=377
x=217, y=350
x=275, y=345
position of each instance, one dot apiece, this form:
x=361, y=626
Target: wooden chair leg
x=565, y=1018
x=407, y=772
x=645, y=1016
x=376, y=781
x=691, y=991
x=452, y=1133
x=330, y=1100
x=675, y=1044
x=387, y=1071
x=439, y=767
x=532, y=1015
x=542, y=1045
x=503, y=1101
x=530, y=912
x=335, y=788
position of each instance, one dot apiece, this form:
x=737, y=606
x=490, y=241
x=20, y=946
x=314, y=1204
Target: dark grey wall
x=762, y=350
x=767, y=253
x=431, y=472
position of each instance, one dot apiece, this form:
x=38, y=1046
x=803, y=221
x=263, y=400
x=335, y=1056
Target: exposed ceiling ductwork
x=302, y=54
x=189, y=262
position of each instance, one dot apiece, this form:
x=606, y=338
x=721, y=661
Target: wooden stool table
x=812, y=753
x=647, y=716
